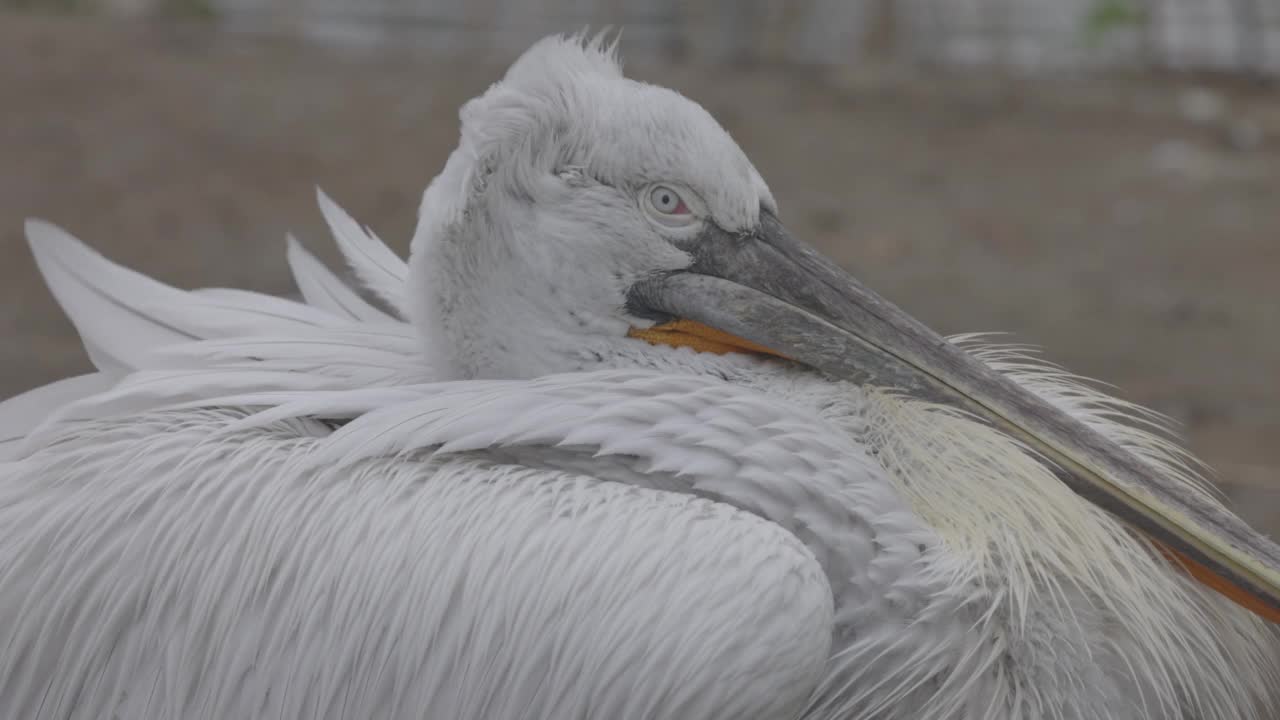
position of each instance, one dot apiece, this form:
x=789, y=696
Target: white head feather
x=550, y=174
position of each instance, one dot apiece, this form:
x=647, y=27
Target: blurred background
x=1097, y=177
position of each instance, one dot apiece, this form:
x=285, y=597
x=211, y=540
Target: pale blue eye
x=667, y=201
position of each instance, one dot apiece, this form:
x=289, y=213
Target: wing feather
x=174, y=346
x=19, y=415
x=219, y=578
x=322, y=289
x=380, y=269
x=110, y=306
x=125, y=315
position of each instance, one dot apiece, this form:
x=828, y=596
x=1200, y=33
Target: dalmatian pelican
x=611, y=444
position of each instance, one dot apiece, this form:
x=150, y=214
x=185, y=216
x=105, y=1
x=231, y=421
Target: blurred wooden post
x=880, y=39
x=1152, y=37
x=1250, y=36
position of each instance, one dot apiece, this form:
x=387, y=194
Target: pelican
x=611, y=444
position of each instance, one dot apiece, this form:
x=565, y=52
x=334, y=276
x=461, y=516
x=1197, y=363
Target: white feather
x=185, y=346
x=373, y=262
x=217, y=579
x=322, y=289
x=21, y=414
x=111, y=307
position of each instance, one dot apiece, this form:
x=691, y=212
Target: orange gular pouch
x=699, y=337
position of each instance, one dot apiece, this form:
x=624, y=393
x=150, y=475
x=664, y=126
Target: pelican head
x=567, y=164
x=589, y=220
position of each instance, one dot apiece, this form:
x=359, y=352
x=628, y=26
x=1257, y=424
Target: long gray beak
x=771, y=289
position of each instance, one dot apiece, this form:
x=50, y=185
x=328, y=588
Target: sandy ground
x=1100, y=220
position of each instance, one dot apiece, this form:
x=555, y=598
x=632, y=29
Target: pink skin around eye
x=681, y=209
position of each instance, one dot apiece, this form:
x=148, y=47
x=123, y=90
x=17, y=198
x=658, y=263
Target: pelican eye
x=666, y=206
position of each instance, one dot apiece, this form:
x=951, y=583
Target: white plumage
x=486, y=501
